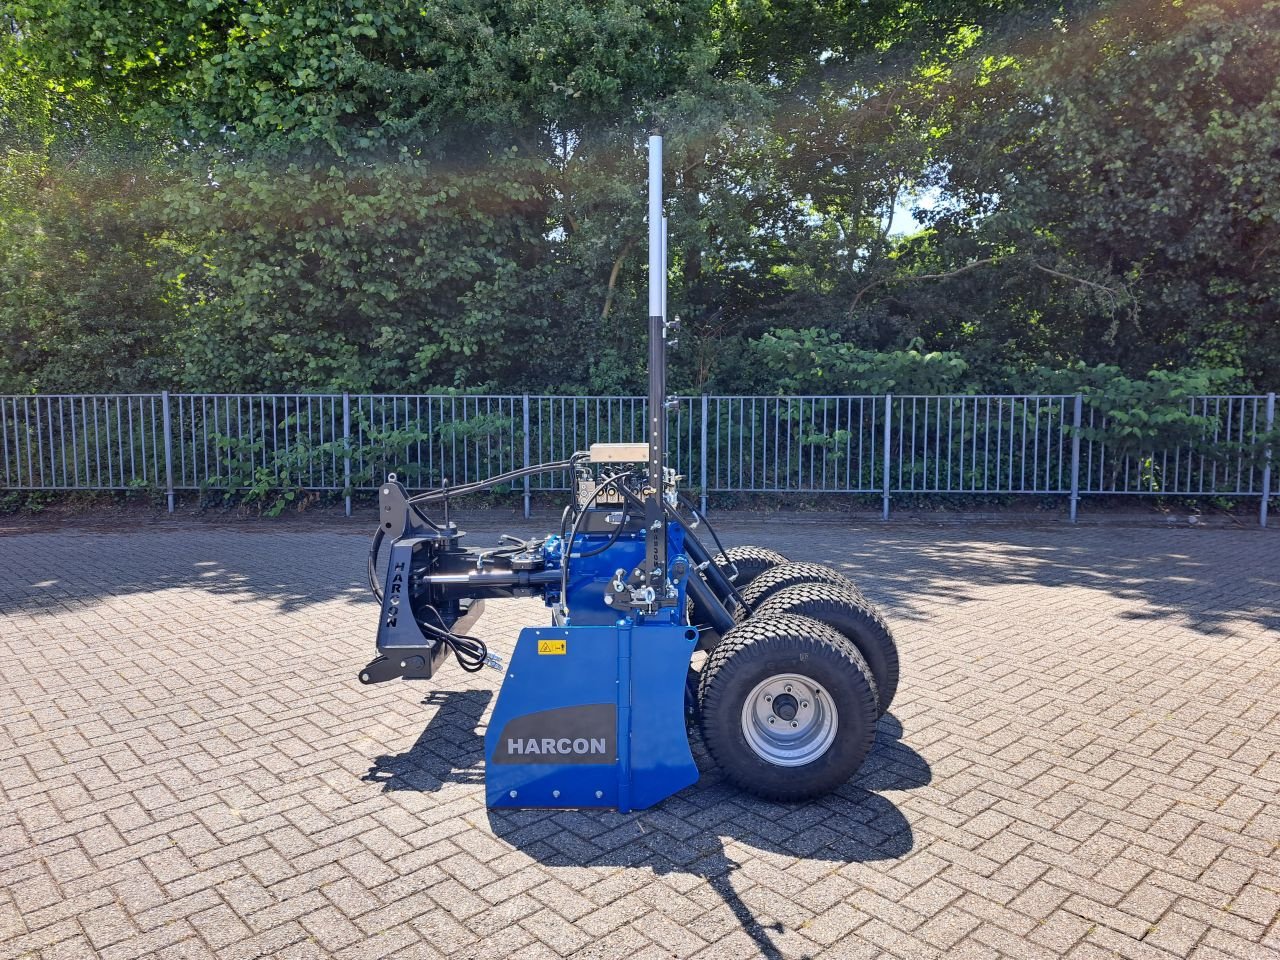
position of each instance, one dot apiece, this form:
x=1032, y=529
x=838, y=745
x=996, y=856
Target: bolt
x=794, y=724
x=771, y=719
x=788, y=688
x=768, y=698
x=804, y=704
x=599, y=794
x=556, y=794
x=512, y=794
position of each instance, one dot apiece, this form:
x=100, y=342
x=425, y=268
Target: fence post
x=704, y=454
x=527, y=510
x=1266, y=470
x=1075, y=456
x=888, y=436
x=346, y=449
x=168, y=448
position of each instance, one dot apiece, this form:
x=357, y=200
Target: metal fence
x=1060, y=445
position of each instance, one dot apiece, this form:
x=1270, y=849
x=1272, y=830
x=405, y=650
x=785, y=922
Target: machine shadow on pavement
x=449, y=750
x=693, y=832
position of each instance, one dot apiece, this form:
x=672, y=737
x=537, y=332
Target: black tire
x=855, y=619
x=750, y=561
x=787, y=645
x=788, y=575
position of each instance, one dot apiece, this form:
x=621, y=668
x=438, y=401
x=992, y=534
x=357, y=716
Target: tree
x=84, y=300
x=1112, y=174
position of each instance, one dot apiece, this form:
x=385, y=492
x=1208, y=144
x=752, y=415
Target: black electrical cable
x=471, y=652
x=568, y=547
x=613, y=538
x=733, y=590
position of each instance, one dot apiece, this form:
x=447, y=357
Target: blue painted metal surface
x=592, y=716
x=589, y=576
x=591, y=711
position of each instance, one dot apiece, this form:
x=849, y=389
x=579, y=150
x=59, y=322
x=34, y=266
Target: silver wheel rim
x=789, y=720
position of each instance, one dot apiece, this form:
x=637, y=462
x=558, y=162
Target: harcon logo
x=585, y=733
x=578, y=746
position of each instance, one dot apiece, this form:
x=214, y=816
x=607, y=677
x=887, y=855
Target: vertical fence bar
x=346, y=451
x=703, y=455
x=1266, y=470
x=168, y=448
x=527, y=504
x=888, y=427
x=1075, y=456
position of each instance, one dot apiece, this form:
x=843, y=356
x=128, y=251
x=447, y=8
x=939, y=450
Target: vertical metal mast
x=655, y=516
x=657, y=294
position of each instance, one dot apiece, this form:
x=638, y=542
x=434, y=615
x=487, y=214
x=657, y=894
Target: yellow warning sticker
x=552, y=647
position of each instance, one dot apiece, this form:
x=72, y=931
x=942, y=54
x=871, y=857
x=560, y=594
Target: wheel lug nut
x=771, y=719
x=794, y=724
x=804, y=704
x=768, y=699
x=788, y=688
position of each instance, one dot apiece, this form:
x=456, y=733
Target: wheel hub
x=786, y=706
x=789, y=720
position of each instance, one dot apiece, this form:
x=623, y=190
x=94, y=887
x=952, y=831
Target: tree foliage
x=384, y=195
x=1115, y=169
x=84, y=303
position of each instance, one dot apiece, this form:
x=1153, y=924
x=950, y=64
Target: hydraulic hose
x=733, y=591
x=431, y=496
x=568, y=547
x=374, y=550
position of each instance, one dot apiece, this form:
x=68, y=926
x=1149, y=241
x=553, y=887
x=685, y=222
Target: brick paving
x=1083, y=761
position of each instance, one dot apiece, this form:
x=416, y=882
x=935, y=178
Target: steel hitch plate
x=408, y=662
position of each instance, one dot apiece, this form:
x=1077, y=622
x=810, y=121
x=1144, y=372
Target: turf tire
x=786, y=575
x=750, y=561
x=786, y=643
x=855, y=619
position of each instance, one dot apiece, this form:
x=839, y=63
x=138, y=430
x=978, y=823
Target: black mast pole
x=655, y=515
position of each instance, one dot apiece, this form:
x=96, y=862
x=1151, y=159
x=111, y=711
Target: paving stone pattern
x=1083, y=761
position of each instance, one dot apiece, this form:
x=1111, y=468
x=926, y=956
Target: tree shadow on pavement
x=1207, y=578
x=57, y=572
x=698, y=832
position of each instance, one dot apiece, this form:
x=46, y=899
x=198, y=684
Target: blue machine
x=594, y=705
x=591, y=713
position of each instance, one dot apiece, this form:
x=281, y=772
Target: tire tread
x=819, y=600
x=788, y=575
x=780, y=632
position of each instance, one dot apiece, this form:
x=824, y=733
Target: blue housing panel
x=590, y=575
x=592, y=716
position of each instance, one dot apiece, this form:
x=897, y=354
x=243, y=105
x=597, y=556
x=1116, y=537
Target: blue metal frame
x=631, y=753
x=580, y=721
